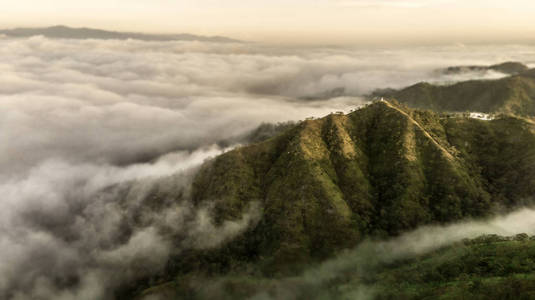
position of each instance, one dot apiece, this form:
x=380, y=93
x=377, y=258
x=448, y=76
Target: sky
x=294, y=21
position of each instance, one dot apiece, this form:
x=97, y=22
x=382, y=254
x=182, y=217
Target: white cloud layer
x=90, y=128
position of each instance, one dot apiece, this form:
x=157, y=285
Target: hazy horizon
x=337, y=22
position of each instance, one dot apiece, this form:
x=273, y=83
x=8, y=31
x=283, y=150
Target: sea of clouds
x=89, y=128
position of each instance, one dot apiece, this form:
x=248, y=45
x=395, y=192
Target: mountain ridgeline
x=510, y=95
x=65, y=32
x=381, y=170
x=511, y=68
x=324, y=185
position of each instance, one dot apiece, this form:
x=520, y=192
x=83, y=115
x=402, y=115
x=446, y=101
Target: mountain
x=511, y=68
x=326, y=184
x=64, y=32
x=488, y=267
x=510, y=95
x=381, y=170
x=267, y=130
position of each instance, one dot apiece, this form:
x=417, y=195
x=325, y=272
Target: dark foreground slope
x=326, y=184
x=489, y=267
x=510, y=95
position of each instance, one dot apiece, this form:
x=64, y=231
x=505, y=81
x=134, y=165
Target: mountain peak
x=380, y=170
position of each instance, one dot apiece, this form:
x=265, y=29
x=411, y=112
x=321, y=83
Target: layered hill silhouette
x=326, y=184
x=510, y=95
x=511, y=68
x=65, y=32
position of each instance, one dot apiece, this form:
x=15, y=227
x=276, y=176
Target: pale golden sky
x=294, y=21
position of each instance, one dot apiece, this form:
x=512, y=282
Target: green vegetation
x=510, y=95
x=382, y=170
x=326, y=184
x=489, y=267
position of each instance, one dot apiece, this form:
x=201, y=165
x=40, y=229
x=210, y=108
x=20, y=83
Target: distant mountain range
x=511, y=68
x=510, y=95
x=64, y=32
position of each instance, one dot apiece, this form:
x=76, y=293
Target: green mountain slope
x=326, y=184
x=487, y=267
x=510, y=95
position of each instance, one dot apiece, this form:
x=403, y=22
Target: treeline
x=487, y=267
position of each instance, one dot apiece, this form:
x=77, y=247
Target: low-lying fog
x=79, y=116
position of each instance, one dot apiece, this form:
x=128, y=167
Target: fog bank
x=100, y=140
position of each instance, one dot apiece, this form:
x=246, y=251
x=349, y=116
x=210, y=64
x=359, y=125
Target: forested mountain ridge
x=381, y=170
x=324, y=185
x=487, y=267
x=510, y=95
